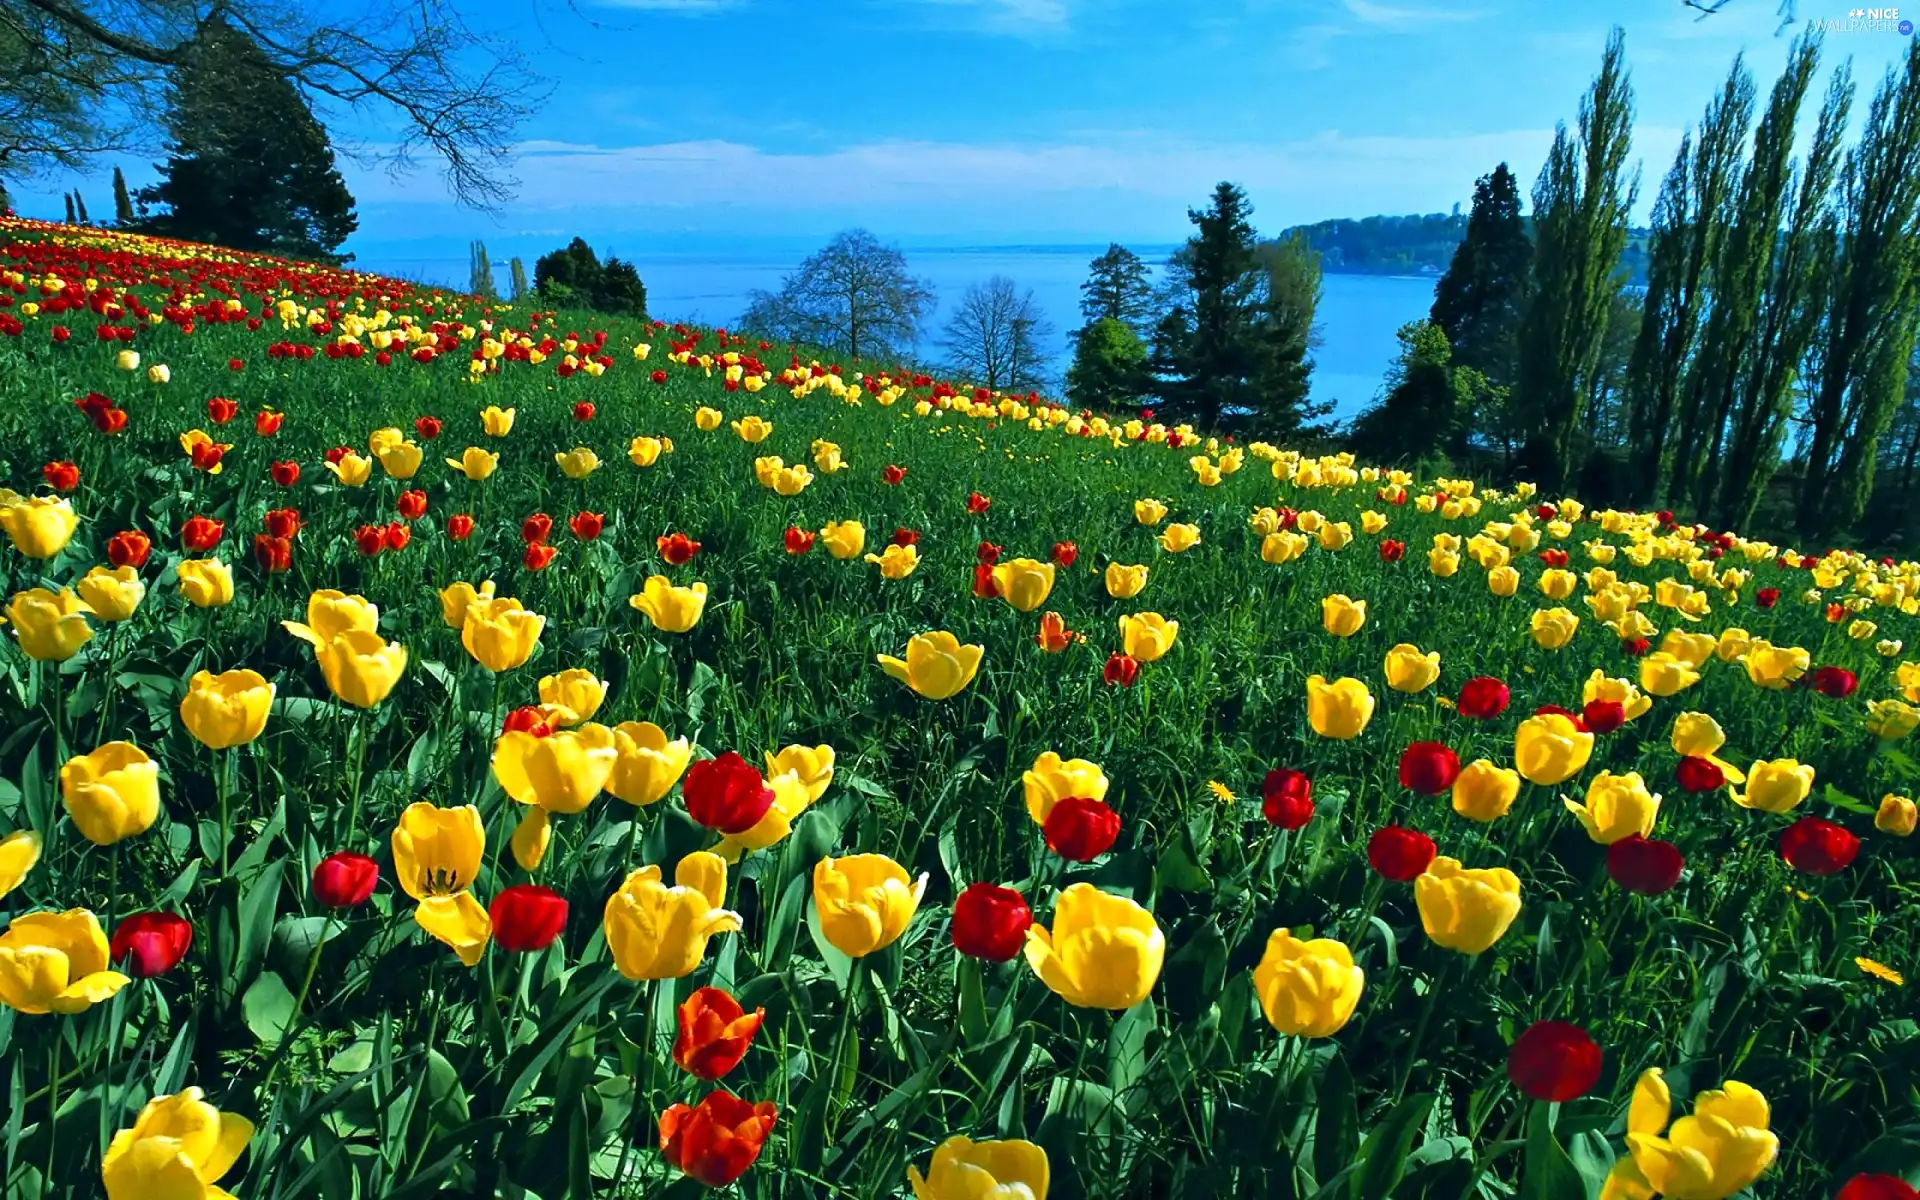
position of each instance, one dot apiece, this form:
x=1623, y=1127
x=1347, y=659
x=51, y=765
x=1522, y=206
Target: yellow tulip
x=40, y=527
x=864, y=901
x=1053, y=779
x=1553, y=628
x=1373, y=522
x=576, y=692
x=1896, y=815
x=828, y=458
x=1444, y=564
x=459, y=921
x=1616, y=806
x=1408, y=670
x=1338, y=710
x=1600, y=686
x=644, y=451
x=331, y=613
x=352, y=470
x=792, y=796
x=1335, y=535
x=457, y=598
x=1024, y=582
x=1307, y=989
x=964, y=1169
x=660, y=932
x=496, y=421
x=1662, y=674
x=1721, y=1150
x=562, y=772
x=206, y=582
x=476, y=464
x=937, y=666
x=1483, y=792
x=1148, y=636
x=1103, y=951
x=844, y=539
x=671, y=609
x=1550, y=749
x=1125, y=582
x=752, y=429
x=789, y=481
x=1557, y=584
x=402, y=459
x=1265, y=522
x=1776, y=668
x=530, y=839
x=179, y=1148
x=1503, y=581
x=812, y=766
x=1860, y=631
x=113, y=593
x=1890, y=719
x=897, y=563
x=1733, y=645
x=225, y=710
x=361, y=668
x=51, y=626
x=19, y=851
x=708, y=418
x=1693, y=649
x=646, y=765
x=380, y=440
x=578, y=463
x=500, y=634
x=127, y=360
x=1466, y=909
x=1178, y=539
x=438, y=851
x=1149, y=512
x=111, y=793
x=1342, y=616
x=1777, y=786
x=56, y=963
x=1282, y=547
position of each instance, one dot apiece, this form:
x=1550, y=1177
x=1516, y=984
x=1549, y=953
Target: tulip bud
x=154, y=941
x=990, y=922
x=344, y=879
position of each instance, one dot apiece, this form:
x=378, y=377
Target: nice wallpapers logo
x=1867, y=20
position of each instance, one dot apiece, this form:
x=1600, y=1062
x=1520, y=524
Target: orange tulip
x=714, y=1033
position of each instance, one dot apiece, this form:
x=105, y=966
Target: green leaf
x=1384, y=1153
x=268, y=1008
x=1549, y=1174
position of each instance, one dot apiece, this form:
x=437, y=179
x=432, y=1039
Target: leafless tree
x=854, y=297
x=994, y=337
x=81, y=76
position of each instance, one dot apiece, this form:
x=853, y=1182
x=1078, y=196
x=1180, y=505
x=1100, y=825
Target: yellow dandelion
x=1881, y=971
x=1221, y=791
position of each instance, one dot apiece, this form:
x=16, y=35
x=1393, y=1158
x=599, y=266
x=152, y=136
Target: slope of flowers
x=453, y=749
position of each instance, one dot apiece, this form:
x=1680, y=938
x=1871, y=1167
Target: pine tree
x=517, y=272
x=1479, y=301
x=1206, y=349
x=123, y=213
x=1421, y=408
x=248, y=166
x=1109, y=365
x=1117, y=287
x=1580, y=208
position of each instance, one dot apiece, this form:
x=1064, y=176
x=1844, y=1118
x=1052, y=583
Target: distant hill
x=1414, y=245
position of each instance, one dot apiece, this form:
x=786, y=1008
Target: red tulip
x=1081, y=830
x=1392, y=551
x=1121, y=670
x=371, y=539
x=1835, y=683
x=1064, y=554
x=528, y=917
x=1428, y=767
x=61, y=476
x=714, y=1033
x=220, y=410
x=286, y=474
x=536, y=528
x=1818, y=847
x=990, y=922
x=1286, y=798
x=155, y=941
x=344, y=879
x=539, y=556
x=1603, y=716
x=398, y=535
x=1699, y=775
x=129, y=548
x=677, y=548
x=237, y=365
x=266, y=423
x=460, y=526
x=427, y=427
x=1877, y=1187
x=337, y=453
x=1767, y=597
x=986, y=554
x=658, y=376
x=583, y=411
x=902, y=536
x=1554, y=1061
x=1400, y=854
x=412, y=504
x=716, y=1140
x=1483, y=698
x=527, y=719
x=798, y=540
x=201, y=534
x=274, y=554
x=1645, y=865
x=985, y=586
x=207, y=456
x=726, y=793
x=892, y=475
x=1635, y=647
x=977, y=504
x=589, y=525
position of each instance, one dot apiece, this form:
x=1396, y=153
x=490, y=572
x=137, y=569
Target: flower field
x=471, y=751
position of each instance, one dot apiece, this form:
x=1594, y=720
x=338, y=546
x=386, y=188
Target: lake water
x=1357, y=319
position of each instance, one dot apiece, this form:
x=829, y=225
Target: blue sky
x=700, y=122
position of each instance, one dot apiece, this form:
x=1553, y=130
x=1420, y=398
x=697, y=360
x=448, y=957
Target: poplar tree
x=122, y=199
x=1479, y=301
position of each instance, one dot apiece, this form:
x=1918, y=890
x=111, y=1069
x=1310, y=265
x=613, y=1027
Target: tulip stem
x=299, y=1001
x=53, y=1104
x=359, y=771
x=226, y=823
